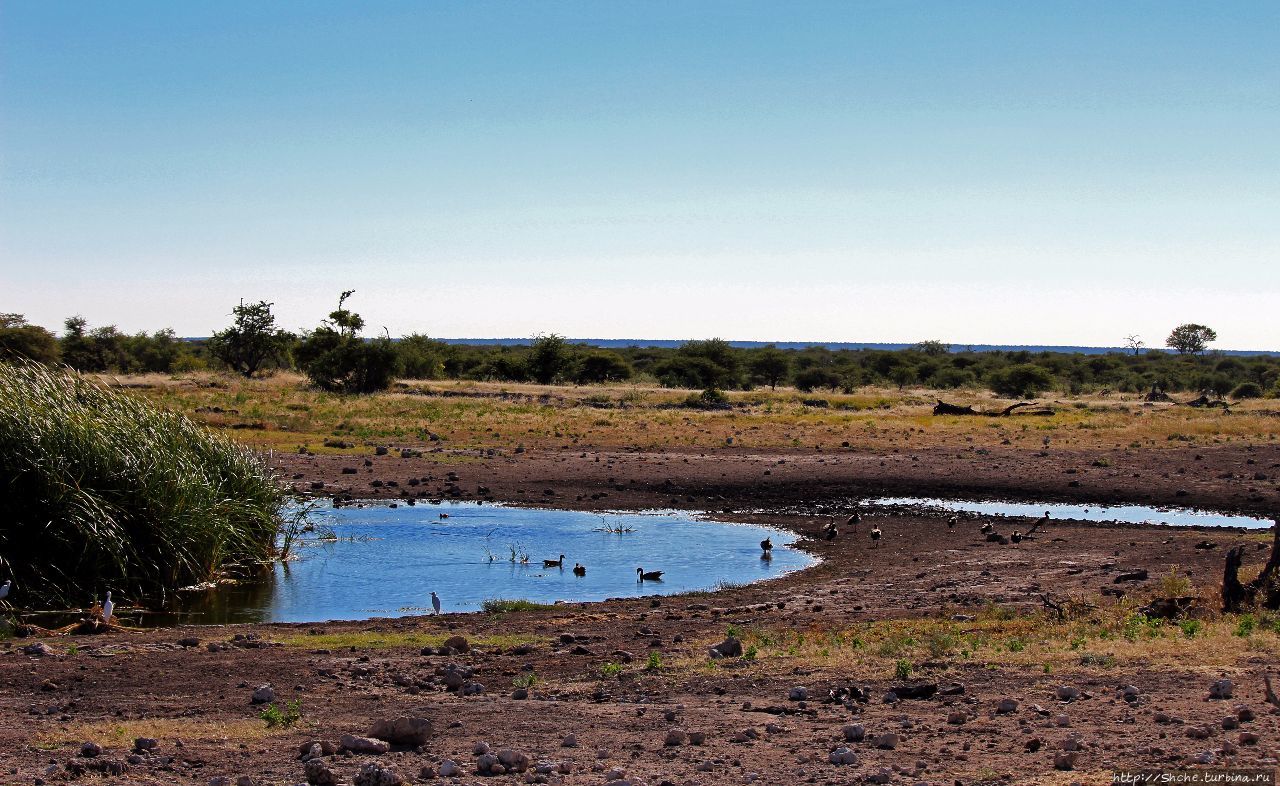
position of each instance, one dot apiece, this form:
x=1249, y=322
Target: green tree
x=932, y=347
x=1191, y=339
x=421, y=357
x=601, y=366
x=1024, y=380
x=769, y=366
x=335, y=358
x=252, y=340
x=18, y=339
x=549, y=358
x=100, y=349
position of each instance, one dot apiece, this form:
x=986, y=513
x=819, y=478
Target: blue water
x=1134, y=514
x=387, y=561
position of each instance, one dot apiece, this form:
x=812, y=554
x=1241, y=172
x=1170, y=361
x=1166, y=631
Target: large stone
x=319, y=774
x=457, y=644
x=1221, y=689
x=363, y=744
x=729, y=648
x=264, y=694
x=406, y=731
x=842, y=756
x=372, y=774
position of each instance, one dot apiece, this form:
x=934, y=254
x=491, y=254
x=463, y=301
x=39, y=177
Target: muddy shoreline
x=195, y=700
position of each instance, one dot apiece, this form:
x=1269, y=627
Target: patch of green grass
x=509, y=605
x=902, y=669
x=654, y=663
x=525, y=679
x=610, y=670
x=275, y=717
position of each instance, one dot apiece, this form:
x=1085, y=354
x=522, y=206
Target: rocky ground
x=571, y=694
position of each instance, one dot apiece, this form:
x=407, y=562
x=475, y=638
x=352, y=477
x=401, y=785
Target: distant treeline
x=336, y=357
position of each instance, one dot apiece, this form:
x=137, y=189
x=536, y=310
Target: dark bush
x=1247, y=390
x=1024, y=380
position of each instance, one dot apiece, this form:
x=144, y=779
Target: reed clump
x=101, y=490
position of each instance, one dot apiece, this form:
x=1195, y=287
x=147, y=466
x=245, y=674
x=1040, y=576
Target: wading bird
x=435, y=602
x=653, y=575
x=951, y=523
x=553, y=563
x=1016, y=537
x=107, y=608
x=1043, y=521
x=853, y=520
x=766, y=545
x=875, y=537
x=579, y=570
x=986, y=528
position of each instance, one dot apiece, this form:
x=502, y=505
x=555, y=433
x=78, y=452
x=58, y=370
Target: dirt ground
x=948, y=606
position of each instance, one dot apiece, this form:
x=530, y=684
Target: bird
x=4, y=589
x=829, y=530
x=653, y=575
x=951, y=523
x=553, y=563
x=986, y=528
x=1016, y=537
x=444, y=515
x=435, y=602
x=875, y=536
x=1038, y=525
x=853, y=520
x=107, y=608
x=579, y=570
x=766, y=545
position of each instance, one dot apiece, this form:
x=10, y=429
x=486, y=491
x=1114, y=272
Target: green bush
x=335, y=358
x=103, y=491
x=1247, y=390
x=1024, y=380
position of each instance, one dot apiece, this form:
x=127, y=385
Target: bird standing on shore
x=829, y=530
x=951, y=524
x=986, y=528
x=853, y=520
x=875, y=537
x=107, y=608
x=435, y=602
x=1043, y=521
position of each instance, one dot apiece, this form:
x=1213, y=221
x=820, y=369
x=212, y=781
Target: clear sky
x=1004, y=172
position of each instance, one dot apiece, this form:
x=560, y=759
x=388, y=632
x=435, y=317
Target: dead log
x=944, y=408
x=1270, y=694
x=1264, y=589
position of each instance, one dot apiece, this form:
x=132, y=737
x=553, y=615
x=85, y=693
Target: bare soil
x=197, y=701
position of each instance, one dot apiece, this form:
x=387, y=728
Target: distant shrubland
x=337, y=358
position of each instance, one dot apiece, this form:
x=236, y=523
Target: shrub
x=252, y=341
x=610, y=670
x=104, y=491
x=274, y=717
x=21, y=341
x=335, y=357
x=505, y=606
x=1024, y=380
x=1247, y=390
x=602, y=366
x=654, y=663
x=902, y=669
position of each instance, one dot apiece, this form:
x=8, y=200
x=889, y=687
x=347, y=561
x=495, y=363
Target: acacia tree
x=252, y=340
x=549, y=358
x=1135, y=343
x=1190, y=339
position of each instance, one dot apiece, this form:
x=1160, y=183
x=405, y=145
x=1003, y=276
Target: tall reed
x=100, y=490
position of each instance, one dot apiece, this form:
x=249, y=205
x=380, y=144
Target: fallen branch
x=1264, y=589
x=944, y=408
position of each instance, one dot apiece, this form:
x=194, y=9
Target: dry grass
x=116, y=734
x=1115, y=638
x=282, y=413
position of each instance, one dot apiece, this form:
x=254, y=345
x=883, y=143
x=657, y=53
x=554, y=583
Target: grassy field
x=282, y=413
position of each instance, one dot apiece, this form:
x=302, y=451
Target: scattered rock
x=1065, y=760
x=798, y=693
x=1007, y=706
x=957, y=717
x=406, y=731
x=263, y=694
x=842, y=755
x=729, y=648
x=319, y=774
x=854, y=732
x=356, y=744
x=457, y=644
x=1067, y=693
x=569, y=741
x=887, y=741
x=1221, y=689
x=449, y=769
x=145, y=744
x=675, y=738
x=90, y=750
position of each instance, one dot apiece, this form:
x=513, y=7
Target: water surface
x=387, y=560
x=1133, y=514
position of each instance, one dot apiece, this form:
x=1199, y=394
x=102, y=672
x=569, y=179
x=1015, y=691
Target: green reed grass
x=100, y=490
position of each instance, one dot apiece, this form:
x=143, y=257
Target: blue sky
x=859, y=171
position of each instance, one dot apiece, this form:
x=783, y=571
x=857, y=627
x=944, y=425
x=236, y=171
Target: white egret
x=107, y=608
x=435, y=602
